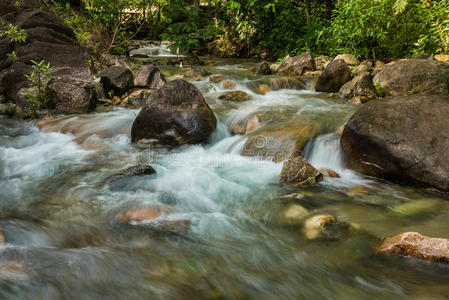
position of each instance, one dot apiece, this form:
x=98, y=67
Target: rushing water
x=63, y=239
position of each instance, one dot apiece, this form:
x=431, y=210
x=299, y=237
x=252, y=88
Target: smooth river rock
x=416, y=245
x=404, y=139
x=174, y=115
x=296, y=65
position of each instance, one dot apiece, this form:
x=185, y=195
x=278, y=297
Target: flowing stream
x=59, y=218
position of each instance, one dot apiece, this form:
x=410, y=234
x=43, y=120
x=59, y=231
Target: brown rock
x=360, y=86
x=349, y=59
x=299, y=172
x=262, y=69
x=117, y=79
x=401, y=139
x=297, y=65
x=263, y=89
x=234, y=96
x=321, y=61
x=336, y=74
x=132, y=171
x=329, y=173
x=136, y=99
x=174, y=115
x=217, y=78
x=317, y=226
x=228, y=85
x=149, y=77
x=416, y=245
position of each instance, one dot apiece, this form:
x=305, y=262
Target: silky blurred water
x=59, y=218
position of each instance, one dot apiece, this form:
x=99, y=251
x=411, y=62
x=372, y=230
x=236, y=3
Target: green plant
x=14, y=33
x=40, y=84
x=379, y=90
x=12, y=55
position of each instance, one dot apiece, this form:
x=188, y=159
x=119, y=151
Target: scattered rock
x=413, y=76
x=234, y=96
x=319, y=226
x=360, y=86
x=217, y=78
x=329, y=173
x=274, y=68
x=262, y=69
x=349, y=59
x=132, y=171
x=400, y=139
x=360, y=69
x=228, y=85
x=416, y=245
x=321, y=62
x=336, y=74
x=118, y=79
x=263, y=89
x=297, y=65
x=149, y=77
x=286, y=83
x=295, y=214
x=174, y=115
x=358, y=191
x=135, y=99
x=299, y=172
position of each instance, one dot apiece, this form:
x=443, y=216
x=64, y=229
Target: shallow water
x=63, y=239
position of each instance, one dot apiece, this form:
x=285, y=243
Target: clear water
x=64, y=242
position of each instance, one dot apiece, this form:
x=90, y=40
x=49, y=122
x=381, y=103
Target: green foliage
x=39, y=82
x=12, y=55
x=14, y=33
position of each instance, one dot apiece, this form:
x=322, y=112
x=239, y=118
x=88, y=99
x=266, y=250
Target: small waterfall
x=153, y=50
x=325, y=152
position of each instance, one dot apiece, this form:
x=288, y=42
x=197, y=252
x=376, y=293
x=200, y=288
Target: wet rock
x=329, y=173
x=98, y=91
x=360, y=86
x=279, y=140
x=149, y=77
x=416, y=245
x=228, y=85
x=234, y=96
x=294, y=214
x=195, y=73
x=257, y=119
x=320, y=226
x=297, y=65
x=358, y=191
x=137, y=98
x=417, y=207
x=358, y=100
x=262, y=69
x=349, y=59
x=413, y=76
x=118, y=79
x=321, y=62
x=299, y=172
x=286, y=83
x=152, y=216
x=401, y=139
x=50, y=40
x=217, y=78
x=263, y=89
x=174, y=115
x=14, y=271
x=336, y=74
x=132, y=171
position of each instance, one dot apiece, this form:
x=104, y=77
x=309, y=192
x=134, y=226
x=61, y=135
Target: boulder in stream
x=149, y=77
x=135, y=98
x=262, y=68
x=132, y=171
x=413, y=76
x=174, y=115
x=286, y=83
x=361, y=86
x=48, y=39
x=117, y=79
x=299, y=172
x=234, y=96
x=217, y=78
x=416, y=245
x=336, y=74
x=297, y=65
x=404, y=139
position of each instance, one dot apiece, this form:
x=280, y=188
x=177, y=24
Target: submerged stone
x=295, y=214
x=132, y=171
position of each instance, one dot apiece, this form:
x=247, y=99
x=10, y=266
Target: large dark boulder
x=117, y=79
x=297, y=65
x=51, y=40
x=413, y=76
x=149, y=77
x=336, y=74
x=404, y=139
x=175, y=114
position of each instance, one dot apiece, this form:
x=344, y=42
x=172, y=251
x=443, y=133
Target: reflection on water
x=65, y=239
